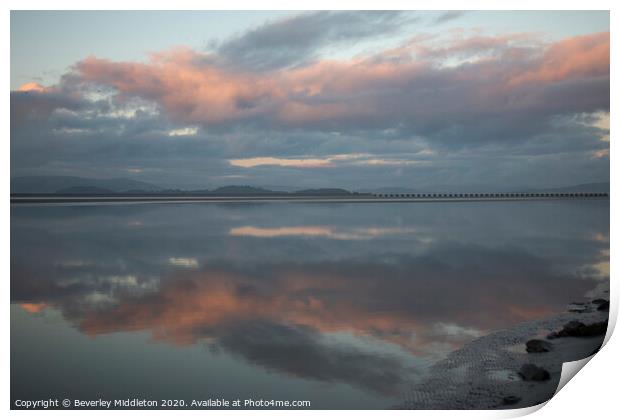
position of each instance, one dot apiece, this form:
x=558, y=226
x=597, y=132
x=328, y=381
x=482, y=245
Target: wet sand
x=485, y=374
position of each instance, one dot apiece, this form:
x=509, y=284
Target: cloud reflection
x=338, y=308
x=320, y=231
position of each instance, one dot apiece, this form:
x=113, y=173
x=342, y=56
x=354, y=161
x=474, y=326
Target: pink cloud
x=272, y=161
x=414, y=88
x=581, y=56
x=31, y=87
x=185, y=89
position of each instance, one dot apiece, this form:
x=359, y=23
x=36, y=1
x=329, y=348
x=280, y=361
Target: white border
x=592, y=395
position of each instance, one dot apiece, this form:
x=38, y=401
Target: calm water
x=340, y=304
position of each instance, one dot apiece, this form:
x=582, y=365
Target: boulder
x=531, y=372
x=603, y=306
x=573, y=328
x=579, y=329
x=538, y=346
x=511, y=400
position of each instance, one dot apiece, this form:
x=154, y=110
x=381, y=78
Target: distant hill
x=249, y=190
x=242, y=190
x=392, y=190
x=323, y=191
x=52, y=184
x=84, y=186
x=280, y=188
x=84, y=190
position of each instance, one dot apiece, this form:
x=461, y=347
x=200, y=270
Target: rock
x=598, y=328
x=579, y=329
x=530, y=372
x=572, y=328
x=599, y=301
x=603, y=306
x=511, y=400
x=538, y=346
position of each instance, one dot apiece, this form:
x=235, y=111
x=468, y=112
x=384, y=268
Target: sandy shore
x=488, y=373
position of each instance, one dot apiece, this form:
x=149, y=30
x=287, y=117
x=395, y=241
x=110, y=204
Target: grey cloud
x=449, y=15
x=27, y=106
x=108, y=147
x=481, y=130
x=297, y=39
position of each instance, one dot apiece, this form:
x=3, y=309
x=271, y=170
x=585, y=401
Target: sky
x=360, y=100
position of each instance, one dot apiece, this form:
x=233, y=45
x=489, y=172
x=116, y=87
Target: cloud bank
x=273, y=95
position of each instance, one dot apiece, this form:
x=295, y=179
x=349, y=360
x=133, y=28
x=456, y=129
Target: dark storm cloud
x=297, y=39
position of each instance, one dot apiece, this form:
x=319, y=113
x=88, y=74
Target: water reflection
x=359, y=295
x=331, y=232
